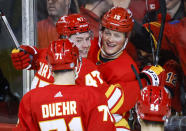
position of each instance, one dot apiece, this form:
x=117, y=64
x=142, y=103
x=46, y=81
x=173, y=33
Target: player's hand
x=155, y=75
x=173, y=76
x=22, y=57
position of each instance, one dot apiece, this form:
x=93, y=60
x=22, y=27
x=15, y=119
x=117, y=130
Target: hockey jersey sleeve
x=100, y=118
x=122, y=96
x=25, y=121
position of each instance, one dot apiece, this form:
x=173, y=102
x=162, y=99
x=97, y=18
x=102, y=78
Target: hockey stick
x=5, y=21
x=137, y=76
x=163, y=13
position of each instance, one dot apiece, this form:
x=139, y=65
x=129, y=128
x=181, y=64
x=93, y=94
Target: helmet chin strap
x=78, y=67
x=79, y=61
x=115, y=54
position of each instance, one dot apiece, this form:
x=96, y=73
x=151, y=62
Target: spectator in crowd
x=177, y=40
x=145, y=38
x=46, y=27
x=64, y=105
x=121, y=3
x=93, y=10
x=175, y=8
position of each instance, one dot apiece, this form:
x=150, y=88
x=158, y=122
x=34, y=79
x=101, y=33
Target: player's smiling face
x=83, y=43
x=112, y=41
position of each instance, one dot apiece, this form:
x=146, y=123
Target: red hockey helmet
x=62, y=54
x=154, y=104
x=72, y=24
x=118, y=19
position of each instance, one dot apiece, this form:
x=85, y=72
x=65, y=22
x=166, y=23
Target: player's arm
x=25, y=57
x=93, y=77
x=173, y=83
x=122, y=96
x=25, y=119
x=101, y=119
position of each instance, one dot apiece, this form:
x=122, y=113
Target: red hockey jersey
x=118, y=72
x=123, y=90
x=64, y=107
x=87, y=73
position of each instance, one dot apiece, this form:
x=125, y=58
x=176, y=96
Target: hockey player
x=153, y=108
x=115, y=64
x=64, y=105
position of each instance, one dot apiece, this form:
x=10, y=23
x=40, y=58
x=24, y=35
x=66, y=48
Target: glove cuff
x=151, y=77
x=153, y=74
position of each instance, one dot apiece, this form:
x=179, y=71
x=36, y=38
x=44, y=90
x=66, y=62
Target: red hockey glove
x=23, y=57
x=173, y=83
x=173, y=76
x=155, y=75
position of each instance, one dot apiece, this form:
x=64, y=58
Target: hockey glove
x=155, y=75
x=24, y=57
x=173, y=75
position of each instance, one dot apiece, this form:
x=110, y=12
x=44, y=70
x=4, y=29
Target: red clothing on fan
x=93, y=20
x=138, y=13
x=155, y=28
x=46, y=30
x=177, y=39
x=64, y=107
